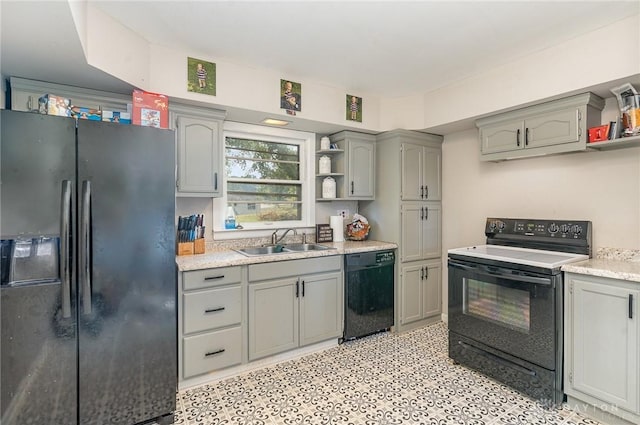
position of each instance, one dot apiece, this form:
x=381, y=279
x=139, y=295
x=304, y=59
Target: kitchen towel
x=337, y=224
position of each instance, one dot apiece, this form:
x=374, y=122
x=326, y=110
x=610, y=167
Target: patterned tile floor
x=381, y=379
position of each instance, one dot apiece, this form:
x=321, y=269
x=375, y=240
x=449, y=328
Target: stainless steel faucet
x=274, y=236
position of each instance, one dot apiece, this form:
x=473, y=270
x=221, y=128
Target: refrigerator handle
x=85, y=246
x=65, y=257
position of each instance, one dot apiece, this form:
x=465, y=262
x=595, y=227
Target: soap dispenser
x=230, y=220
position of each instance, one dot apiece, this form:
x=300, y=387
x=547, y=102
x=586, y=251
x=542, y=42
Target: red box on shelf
x=599, y=134
x=150, y=109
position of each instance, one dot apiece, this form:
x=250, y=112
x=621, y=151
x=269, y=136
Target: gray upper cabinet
x=200, y=152
x=420, y=173
x=552, y=127
x=25, y=94
x=356, y=166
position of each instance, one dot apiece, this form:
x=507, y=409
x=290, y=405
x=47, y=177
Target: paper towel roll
x=337, y=224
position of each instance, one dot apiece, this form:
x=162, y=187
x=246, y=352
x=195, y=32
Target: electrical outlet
x=344, y=213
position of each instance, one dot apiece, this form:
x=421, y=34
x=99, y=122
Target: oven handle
x=500, y=360
x=518, y=278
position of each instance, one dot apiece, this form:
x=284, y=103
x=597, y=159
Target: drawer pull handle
x=213, y=310
x=214, y=277
x=213, y=353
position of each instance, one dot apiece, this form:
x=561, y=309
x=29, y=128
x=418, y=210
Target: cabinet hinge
x=579, y=115
x=177, y=185
x=571, y=377
x=571, y=288
x=176, y=123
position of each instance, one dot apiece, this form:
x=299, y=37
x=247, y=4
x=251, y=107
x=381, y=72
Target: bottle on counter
x=230, y=220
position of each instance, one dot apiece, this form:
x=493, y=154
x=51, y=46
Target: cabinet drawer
x=211, y=351
x=211, y=277
x=282, y=269
x=211, y=309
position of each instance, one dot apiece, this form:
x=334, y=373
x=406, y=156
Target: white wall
x=603, y=187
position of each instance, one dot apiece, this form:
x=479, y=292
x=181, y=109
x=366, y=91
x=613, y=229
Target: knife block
x=190, y=248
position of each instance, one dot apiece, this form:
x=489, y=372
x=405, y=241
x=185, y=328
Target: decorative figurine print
x=354, y=108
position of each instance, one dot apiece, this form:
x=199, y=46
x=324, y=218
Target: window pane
x=258, y=159
x=263, y=211
x=256, y=192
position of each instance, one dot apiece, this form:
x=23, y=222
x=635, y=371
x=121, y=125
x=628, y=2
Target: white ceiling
x=387, y=48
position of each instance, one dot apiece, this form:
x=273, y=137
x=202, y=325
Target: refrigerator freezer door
x=128, y=333
x=38, y=315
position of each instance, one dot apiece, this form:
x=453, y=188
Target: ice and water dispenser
x=29, y=261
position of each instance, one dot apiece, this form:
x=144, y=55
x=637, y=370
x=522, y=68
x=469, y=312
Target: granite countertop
x=623, y=264
x=229, y=257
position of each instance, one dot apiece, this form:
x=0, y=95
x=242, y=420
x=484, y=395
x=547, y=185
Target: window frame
x=306, y=141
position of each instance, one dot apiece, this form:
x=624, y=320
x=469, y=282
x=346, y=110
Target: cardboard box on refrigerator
x=150, y=109
x=116, y=116
x=56, y=105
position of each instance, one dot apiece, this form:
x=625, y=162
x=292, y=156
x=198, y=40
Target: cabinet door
x=432, y=289
x=411, y=278
x=553, y=128
x=320, y=307
x=502, y=137
x=273, y=317
x=412, y=168
x=431, y=240
x=200, y=157
x=361, y=172
x=432, y=183
x=412, y=219
x=605, y=342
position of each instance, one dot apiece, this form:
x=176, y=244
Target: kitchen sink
x=281, y=249
x=262, y=250
x=305, y=247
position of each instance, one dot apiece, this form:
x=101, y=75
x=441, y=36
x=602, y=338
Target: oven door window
x=505, y=306
x=512, y=313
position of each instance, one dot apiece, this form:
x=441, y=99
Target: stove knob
x=553, y=228
x=564, y=228
x=501, y=225
x=492, y=225
x=576, y=229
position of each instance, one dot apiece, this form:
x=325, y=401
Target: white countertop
x=229, y=257
x=606, y=267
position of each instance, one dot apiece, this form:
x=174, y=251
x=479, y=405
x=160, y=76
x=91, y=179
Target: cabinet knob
x=421, y=192
x=426, y=192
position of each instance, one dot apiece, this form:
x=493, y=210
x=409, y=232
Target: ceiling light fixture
x=273, y=121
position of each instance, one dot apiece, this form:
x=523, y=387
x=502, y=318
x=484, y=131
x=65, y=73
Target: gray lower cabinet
x=293, y=304
x=211, y=307
x=601, y=339
x=552, y=127
x=200, y=151
x=421, y=291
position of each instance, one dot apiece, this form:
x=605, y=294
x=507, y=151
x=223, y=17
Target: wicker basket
x=361, y=233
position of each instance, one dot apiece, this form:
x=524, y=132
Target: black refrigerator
x=88, y=280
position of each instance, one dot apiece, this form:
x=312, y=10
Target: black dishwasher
x=369, y=288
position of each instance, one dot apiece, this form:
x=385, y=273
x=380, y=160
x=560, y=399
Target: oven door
x=509, y=310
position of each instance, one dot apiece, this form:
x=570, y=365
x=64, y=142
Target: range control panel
x=563, y=229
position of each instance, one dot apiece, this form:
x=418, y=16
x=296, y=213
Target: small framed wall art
x=354, y=108
x=290, y=96
x=201, y=76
